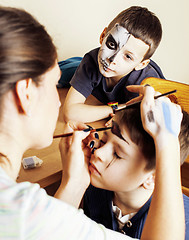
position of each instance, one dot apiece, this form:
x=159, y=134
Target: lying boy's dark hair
x=131, y=120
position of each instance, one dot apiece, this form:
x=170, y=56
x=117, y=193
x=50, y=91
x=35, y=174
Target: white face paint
x=111, y=45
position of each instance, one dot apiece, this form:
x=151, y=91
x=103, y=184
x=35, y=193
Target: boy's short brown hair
x=142, y=24
x=131, y=120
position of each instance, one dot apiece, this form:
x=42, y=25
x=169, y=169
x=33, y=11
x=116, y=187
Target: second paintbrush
x=135, y=104
x=85, y=130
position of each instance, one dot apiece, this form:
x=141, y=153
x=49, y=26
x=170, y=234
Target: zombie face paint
x=111, y=45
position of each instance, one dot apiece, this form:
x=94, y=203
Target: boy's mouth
x=92, y=168
x=105, y=65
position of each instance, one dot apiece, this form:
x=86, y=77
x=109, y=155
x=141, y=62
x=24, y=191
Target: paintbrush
x=85, y=130
x=116, y=110
x=135, y=104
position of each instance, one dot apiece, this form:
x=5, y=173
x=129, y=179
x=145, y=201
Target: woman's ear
x=142, y=64
x=23, y=95
x=102, y=35
x=150, y=182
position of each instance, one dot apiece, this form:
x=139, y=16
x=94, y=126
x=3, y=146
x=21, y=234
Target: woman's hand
x=75, y=156
x=160, y=116
x=162, y=120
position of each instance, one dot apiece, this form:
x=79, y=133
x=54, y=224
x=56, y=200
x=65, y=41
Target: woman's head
x=29, y=73
x=26, y=49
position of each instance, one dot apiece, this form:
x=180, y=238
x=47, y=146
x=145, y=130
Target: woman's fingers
x=160, y=114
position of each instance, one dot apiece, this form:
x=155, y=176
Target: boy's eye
x=111, y=43
x=115, y=154
x=128, y=56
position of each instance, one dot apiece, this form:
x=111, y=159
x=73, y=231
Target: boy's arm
x=76, y=109
x=162, y=120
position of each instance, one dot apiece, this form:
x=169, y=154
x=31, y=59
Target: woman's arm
x=162, y=120
x=166, y=210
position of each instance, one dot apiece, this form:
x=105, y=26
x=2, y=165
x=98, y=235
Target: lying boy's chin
x=97, y=182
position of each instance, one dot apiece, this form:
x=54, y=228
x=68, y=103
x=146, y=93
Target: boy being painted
x=123, y=169
x=123, y=59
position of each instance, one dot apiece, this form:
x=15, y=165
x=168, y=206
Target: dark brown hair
x=142, y=24
x=131, y=120
x=184, y=137
x=26, y=49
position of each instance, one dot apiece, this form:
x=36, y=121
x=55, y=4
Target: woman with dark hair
x=29, y=107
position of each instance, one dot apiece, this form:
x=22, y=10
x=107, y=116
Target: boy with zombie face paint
x=123, y=59
x=123, y=166
x=111, y=45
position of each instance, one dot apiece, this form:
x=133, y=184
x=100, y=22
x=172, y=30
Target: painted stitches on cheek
x=116, y=38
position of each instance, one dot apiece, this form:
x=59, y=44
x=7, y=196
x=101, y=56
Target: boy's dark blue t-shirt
x=98, y=207
x=88, y=80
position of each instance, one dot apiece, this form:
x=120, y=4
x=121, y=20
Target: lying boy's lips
x=92, y=168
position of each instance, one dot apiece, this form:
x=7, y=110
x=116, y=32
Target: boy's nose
x=111, y=59
x=103, y=154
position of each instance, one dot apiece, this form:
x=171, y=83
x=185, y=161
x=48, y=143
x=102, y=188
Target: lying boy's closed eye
x=122, y=169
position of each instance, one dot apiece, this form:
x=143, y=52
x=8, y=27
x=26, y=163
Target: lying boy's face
x=118, y=164
x=120, y=53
